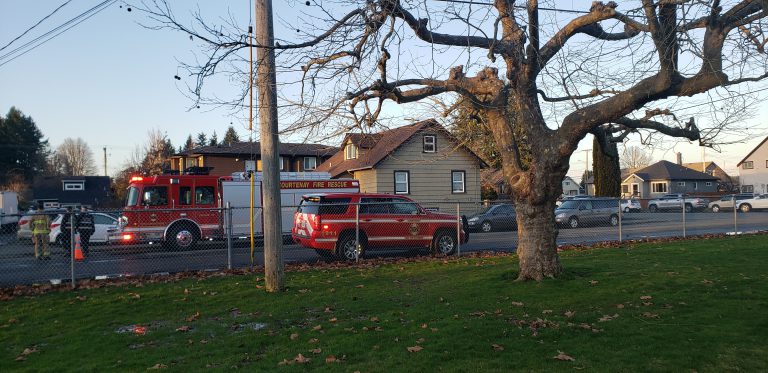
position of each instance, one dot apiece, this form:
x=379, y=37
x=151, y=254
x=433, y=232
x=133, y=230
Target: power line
x=66, y=26
x=35, y=25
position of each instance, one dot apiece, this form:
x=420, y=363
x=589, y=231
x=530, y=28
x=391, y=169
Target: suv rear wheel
x=444, y=243
x=346, y=248
x=745, y=207
x=715, y=208
x=688, y=207
x=486, y=226
x=614, y=220
x=653, y=208
x=573, y=222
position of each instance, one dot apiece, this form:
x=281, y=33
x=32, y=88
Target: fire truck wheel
x=345, y=248
x=444, y=243
x=182, y=236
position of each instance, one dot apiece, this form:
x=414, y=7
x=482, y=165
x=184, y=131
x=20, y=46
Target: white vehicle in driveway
x=755, y=203
x=630, y=205
x=102, y=222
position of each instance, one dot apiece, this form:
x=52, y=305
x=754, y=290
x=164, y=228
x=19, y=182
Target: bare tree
x=551, y=76
x=634, y=157
x=74, y=157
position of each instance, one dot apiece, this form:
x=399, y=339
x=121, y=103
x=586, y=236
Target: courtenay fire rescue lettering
x=318, y=184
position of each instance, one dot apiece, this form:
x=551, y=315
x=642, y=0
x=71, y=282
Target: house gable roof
x=666, y=170
x=753, y=150
x=96, y=192
x=379, y=146
x=248, y=148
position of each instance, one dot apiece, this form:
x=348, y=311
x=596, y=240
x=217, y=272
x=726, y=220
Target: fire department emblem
x=414, y=229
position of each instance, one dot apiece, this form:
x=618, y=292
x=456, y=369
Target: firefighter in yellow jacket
x=41, y=228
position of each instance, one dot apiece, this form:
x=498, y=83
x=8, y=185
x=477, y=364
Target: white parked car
x=755, y=203
x=630, y=205
x=102, y=223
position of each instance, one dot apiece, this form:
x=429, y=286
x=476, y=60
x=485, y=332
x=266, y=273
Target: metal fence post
x=458, y=229
x=228, y=222
x=357, y=232
x=735, y=225
x=684, y=216
x=72, y=247
x=620, y=216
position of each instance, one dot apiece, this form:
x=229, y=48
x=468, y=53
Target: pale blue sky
x=109, y=81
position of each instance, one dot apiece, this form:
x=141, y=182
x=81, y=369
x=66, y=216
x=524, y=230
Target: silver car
x=726, y=202
x=755, y=203
x=579, y=212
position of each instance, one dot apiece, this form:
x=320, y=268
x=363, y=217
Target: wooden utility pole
x=105, y=161
x=270, y=184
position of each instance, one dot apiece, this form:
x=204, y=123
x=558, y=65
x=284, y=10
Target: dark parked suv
x=579, y=212
x=495, y=218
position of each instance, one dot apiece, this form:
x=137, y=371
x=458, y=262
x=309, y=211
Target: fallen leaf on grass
x=314, y=340
x=134, y=295
x=183, y=328
x=331, y=359
x=303, y=290
x=546, y=311
x=593, y=282
x=315, y=350
x=497, y=347
x=157, y=366
x=620, y=305
x=650, y=315
x=646, y=297
x=193, y=317
x=569, y=314
x=518, y=304
x=424, y=326
x=608, y=317
x=360, y=286
x=562, y=356
x=374, y=319
x=317, y=327
x=415, y=349
x=81, y=298
x=294, y=336
x=333, y=319
x=707, y=282
x=298, y=359
x=27, y=351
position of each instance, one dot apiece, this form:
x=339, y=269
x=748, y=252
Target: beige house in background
x=753, y=170
x=421, y=160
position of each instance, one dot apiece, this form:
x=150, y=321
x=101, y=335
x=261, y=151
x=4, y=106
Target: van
x=588, y=211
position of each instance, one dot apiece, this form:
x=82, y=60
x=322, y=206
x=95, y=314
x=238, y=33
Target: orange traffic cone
x=78, y=249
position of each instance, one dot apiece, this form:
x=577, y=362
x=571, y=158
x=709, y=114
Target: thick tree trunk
x=537, y=241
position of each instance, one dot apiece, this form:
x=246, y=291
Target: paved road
x=17, y=265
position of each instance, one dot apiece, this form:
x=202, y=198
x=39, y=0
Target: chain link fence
x=161, y=241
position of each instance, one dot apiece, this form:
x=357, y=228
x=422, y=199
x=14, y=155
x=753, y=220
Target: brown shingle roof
x=377, y=147
x=666, y=170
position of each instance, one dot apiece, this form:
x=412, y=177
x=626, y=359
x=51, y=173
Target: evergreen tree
x=202, y=139
x=189, y=144
x=214, y=139
x=23, y=149
x=605, y=163
x=230, y=136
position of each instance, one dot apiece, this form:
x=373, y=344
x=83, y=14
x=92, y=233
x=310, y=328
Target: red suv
x=328, y=222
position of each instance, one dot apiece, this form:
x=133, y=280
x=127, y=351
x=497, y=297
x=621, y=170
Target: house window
x=748, y=165
x=747, y=189
x=709, y=183
x=625, y=189
x=350, y=151
x=457, y=181
x=681, y=183
x=310, y=163
x=695, y=186
x=567, y=183
x=766, y=164
x=660, y=187
x=282, y=164
x=430, y=144
x=402, y=182
x=74, y=185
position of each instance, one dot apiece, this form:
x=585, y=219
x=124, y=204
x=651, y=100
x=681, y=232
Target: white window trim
x=709, y=183
x=73, y=185
x=748, y=165
x=314, y=163
x=654, y=183
x=463, y=181
x=350, y=151
x=747, y=189
x=407, y=182
x=432, y=143
x=681, y=183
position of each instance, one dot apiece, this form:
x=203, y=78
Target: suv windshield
x=324, y=206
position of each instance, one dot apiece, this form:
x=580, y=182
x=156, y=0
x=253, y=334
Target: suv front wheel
x=444, y=243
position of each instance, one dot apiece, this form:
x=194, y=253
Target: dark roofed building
x=89, y=191
x=665, y=177
x=225, y=159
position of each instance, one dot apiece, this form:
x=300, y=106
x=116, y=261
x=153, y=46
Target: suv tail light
x=314, y=222
x=23, y=222
x=54, y=225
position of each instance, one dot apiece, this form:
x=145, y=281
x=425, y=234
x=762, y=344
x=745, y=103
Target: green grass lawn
x=683, y=306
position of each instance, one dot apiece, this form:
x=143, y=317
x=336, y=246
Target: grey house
x=665, y=177
x=421, y=160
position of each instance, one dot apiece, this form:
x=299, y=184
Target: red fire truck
x=183, y=209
